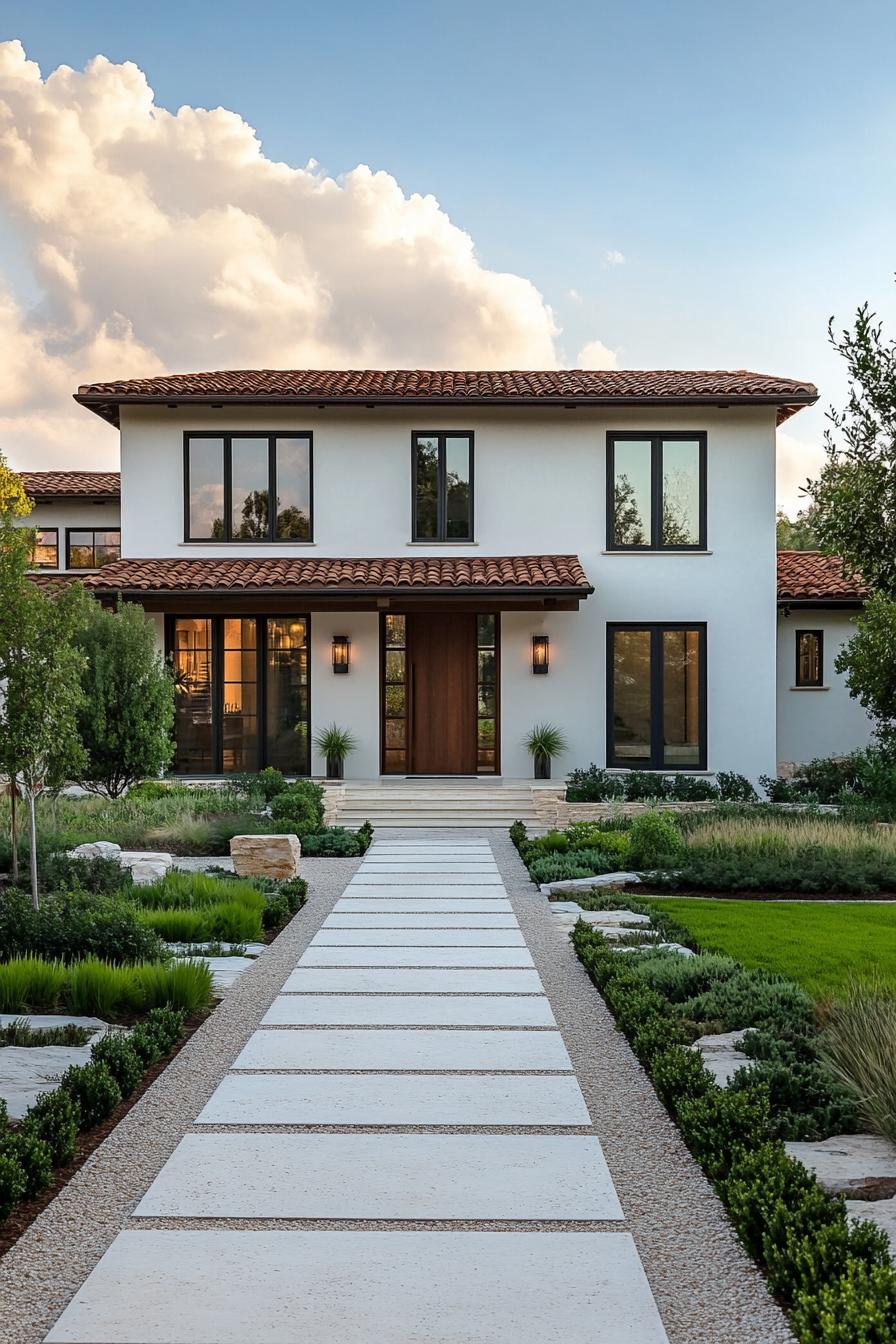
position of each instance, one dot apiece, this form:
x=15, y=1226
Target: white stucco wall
x=815, y=722
x=540, y=487
x=69, y=513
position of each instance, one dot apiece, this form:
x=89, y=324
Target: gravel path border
x=42, y=1272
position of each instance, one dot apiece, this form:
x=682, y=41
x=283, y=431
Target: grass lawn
x=817, y=945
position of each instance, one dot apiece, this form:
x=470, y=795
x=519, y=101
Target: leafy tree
x=14, y=503
x=42, y=693
x=868, y=664
x=628, y=525
x=797, y=534
x=127, y=711
x=16, y=543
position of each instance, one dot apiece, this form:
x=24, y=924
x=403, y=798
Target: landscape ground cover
x=819, y=945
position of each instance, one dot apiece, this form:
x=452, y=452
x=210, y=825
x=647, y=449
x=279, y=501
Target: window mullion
x=272, y=488
x=228, y=486
x=656, y=494
x=657, y=699
x=442, y=508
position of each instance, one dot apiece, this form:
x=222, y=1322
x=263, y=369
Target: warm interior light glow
x=341, y=645
x=541, y=646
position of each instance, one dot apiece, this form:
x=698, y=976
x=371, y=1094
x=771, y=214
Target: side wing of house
x=77, y=519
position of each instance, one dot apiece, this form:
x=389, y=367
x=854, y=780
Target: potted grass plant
x=335, y=743
x=543, y=742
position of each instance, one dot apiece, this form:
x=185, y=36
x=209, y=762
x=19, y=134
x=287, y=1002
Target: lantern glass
x=341, y=645
x=541, y=646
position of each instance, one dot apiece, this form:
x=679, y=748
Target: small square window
x=809, y=658
x=45, y=553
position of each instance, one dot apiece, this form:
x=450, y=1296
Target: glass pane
x=487, y=665
x=631, y=697
x=426, y=515
x=395, y=702
x=206, y=463
x=394, y=762
x=458, y=498
x=681, y=492
x=681, y=698
x=395, y=733
x=106, y=554
x=294, y=489
x=239, y=632
x=45, y=554
x=395, y=631
x=487, y=700
x=631, y=492
x=80, y=550
x=395, y=666
x=193, y=702
x=286, y=683
x=249, y=487
x=485, y=631
x=486, y=732
x=809, y=666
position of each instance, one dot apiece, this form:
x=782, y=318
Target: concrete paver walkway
x=400, y=1153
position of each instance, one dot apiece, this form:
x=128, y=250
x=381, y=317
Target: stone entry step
x=423, y=803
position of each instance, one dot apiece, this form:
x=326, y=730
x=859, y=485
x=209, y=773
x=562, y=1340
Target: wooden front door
x=441, y=651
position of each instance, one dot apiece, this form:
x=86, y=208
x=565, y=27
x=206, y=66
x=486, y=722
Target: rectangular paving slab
x=420, y=905
x=435, y=891
x=396, y=921
x=395, y=1099
x=342, y=937
x=335, y=1049
x=416, y=956
x=468, y=1176
x=400, y=980
x=445, y=878
x=291, y=1287
x=428, y=1010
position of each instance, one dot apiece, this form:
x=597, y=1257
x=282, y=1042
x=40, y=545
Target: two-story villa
x=438, y=561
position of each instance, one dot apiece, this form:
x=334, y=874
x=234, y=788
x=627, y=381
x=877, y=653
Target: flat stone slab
x=465, y=1051
x=721, y=1055
x=416, y=956
x=612, y=918
x=447, y=922
x=416, y=864
x=881, y=1212
x=432, y=904
x=227, y=970
x=447, y=878
x=27, y=1072
x=395, y=1099
x=465, y=1176
x=427, y=1010
x=398, y=980
x=860, y=1166
x=341, y=937
x=291, y=1287
x=586, y=883
x=43, y=1021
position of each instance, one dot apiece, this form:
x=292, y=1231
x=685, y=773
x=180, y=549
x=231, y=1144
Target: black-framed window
x=91, y=548
x=442, y=472
x=45, y=551
x=243, y=696
x=656, y=696
x=809, y=658
x=656, y=491
x=230, y=480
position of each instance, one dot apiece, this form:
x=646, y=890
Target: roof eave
x=354, y=591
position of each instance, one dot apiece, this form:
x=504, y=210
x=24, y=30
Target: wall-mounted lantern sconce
x=541, y=654
x=341, y=646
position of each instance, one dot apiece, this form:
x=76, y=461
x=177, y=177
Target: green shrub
x=646, y=786
x=13, y=1183
x=655, y=1036
x=518, y=833
x=677, y=1074
x=94, y=1089
x=364, y=835
x=230, y=921
x=692, y=789
x=75, y=925
x=55, y=1118
x=166, y=1023
x=21, y=1034
x=100, y=876
x=734, y=788
x=295, y=889
x=858, y=1307
x=299, y=808
x=751, y=998
x=152, y=790
x=275, y=914
x=806, y=1102
x=654, y=841
x=337, y=842
x=680, y=978
x=121, y=1059
x=30, y=984
x=721, y=1123
x=33, y=1155
x=146, y=1044
x=593, y=785
x=188, y=891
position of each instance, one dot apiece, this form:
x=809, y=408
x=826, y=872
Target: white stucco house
x=453, y=558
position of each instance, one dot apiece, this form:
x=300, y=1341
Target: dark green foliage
x=299, y=808
x=167, y=1023
x=655, y=1035
x=680, y=978
x=365, y=836
x=582, y=863
x=750, y=998
x=127, y=713
x=679, y=1074
x=594, y=785
x=56, y=1118
x=734, y=788
x=100, y=876
x=19, y=1033
x=518, y=833
x=858, y=1307
x=146, y=1044
x=806, y=1101
x=803, y=869
x=73, y=926
x=718, y=1124
x=33, y=1155
x=94, y=1089
x=337, y=842
x=655, y=841
x=122, y=1061
x=295, y=889
x=275, y=914
x=692, y=789
x=13, y=1183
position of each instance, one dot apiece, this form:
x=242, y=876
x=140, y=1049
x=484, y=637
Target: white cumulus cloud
x=596, y=355
x=163, y=241
x=614, y=258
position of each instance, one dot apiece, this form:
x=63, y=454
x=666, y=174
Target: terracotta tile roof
x=809, y=576
x=556, y=573
x=72, y=484
x=476, y=387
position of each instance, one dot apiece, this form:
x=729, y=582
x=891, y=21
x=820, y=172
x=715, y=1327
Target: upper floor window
x=809, y=658
x=89, y=548
x=247, y=487
x=656, y=492
x=443, y=486
x=45, y=553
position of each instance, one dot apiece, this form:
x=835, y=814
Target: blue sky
x=739, y=158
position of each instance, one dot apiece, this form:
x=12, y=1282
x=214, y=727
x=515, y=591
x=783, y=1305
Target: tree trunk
x=14, y=829
x=35, y=899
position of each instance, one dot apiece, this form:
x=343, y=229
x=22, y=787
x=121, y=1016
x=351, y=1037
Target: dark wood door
x=442, y=686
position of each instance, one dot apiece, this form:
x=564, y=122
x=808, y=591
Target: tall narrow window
x=395, y=695
x=193, y=727
x=287, y=701
x=809, y=658
x=45, y=552
x=91, y=549
x=486, y=694
x=247, y=487
x=443, y=487
x=656, y=711
x=239, y=720
x=656, y=492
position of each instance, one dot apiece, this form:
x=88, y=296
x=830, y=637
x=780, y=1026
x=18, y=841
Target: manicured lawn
x=817, y=945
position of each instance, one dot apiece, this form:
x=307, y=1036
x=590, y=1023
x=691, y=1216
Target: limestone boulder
x=96, y=849
x=879, y=1211
x=266, y=855
x=859, y=1166
x=145, y=865
x=574, y=884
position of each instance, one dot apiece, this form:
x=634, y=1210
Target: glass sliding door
x=243, y=695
